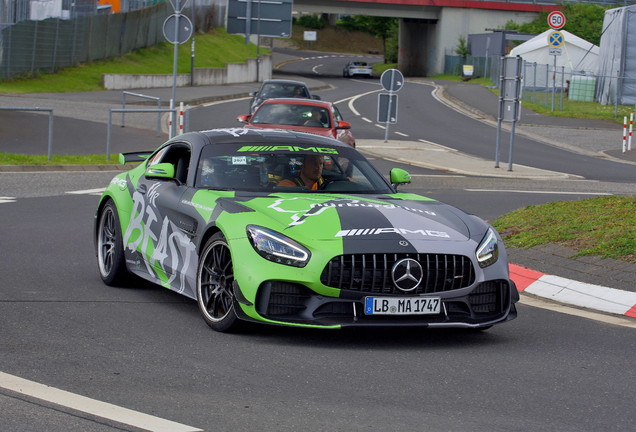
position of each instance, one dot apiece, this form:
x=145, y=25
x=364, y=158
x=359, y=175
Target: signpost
x=310, y=37
x=556, y=20
x=509, y=105
x=386, y=114
x=392, y=80
x=555, y=41
x=177, y=29
x=273, y=19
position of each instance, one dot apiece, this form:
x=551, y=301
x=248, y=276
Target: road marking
x=384, y=147
x=352, y=99
x=437, y=145
x=380, y=126
x=438, y=175
x=91, y=406
x=313, y=69
x=223, y=101
x=538, y=192
x=561, y=308
x=4, y=200
x=367, y=120
x=97, y=191
x=402, y=134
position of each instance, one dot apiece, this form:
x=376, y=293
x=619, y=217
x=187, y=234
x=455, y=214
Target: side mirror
x=343, y=125
x=315, y=97
x=252, y=94
x=160, y=171
x=244, y=118
x=398, y=177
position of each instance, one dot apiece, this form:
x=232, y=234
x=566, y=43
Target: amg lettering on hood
x=377, y=231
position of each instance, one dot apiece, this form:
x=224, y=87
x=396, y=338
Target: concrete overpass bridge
x=430, y=27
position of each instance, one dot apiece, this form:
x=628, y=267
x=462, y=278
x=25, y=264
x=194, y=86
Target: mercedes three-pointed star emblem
x=407, y=274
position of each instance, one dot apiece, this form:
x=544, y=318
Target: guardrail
x=175, y=111
x=50, y=121
x=123, y=106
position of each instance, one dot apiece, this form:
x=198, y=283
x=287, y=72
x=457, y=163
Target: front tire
x=110, y=249
x=215, y=278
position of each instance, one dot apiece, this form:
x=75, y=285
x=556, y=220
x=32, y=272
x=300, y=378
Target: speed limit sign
x=556, y=20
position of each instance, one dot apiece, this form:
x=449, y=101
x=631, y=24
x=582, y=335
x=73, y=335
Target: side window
x=178, y=155
x=156, y=158
x=336, y=113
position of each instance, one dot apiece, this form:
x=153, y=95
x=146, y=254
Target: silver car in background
x=357, y=67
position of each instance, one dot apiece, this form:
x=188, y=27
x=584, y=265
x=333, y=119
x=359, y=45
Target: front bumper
x=287, y=303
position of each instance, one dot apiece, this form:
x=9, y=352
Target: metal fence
x=84, y=34
x=483, y=67
x=543, y=85
x=14, y=11
x=547, y=86
x=53, y=43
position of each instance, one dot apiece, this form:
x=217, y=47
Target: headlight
x=277, y=247
x=488, y=250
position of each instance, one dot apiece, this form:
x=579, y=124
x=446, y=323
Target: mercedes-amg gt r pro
x=204, y=216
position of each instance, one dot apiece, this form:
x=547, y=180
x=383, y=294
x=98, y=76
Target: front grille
x=371, y=273
x=489, y=297
x=285, y=299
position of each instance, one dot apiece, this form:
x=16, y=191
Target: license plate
x=401, y=305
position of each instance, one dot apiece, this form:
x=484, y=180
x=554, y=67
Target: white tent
x=577, y=55
x=618, y=57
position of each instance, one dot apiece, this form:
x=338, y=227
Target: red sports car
x=318, y=117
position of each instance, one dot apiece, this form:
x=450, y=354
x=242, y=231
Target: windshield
x=283, y=91
x=292, y=114
x=270, y=168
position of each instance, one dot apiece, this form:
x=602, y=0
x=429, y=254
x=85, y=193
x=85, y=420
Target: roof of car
x=263, y=137
x=298, y=101
x=284, y=81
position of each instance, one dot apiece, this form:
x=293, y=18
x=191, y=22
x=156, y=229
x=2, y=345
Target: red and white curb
x=572, y=292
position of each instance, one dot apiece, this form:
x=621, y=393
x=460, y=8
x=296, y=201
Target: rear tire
x=110, y=249
x=215, y=291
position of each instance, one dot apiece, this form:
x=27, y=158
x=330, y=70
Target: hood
x=314, y=130
x=358, y=219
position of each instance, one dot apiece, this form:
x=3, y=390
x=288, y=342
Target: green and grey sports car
x=205, y=216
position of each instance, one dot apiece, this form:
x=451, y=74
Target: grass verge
x=571, y=108
x=22, y=159
x=603, y=226
x=212, y=50
x=337, y=40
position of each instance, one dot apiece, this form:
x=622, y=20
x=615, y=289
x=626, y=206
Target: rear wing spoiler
x=134, y=157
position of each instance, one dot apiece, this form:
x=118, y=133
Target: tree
x=584, y=20
x=462, y=49
x=384, y=28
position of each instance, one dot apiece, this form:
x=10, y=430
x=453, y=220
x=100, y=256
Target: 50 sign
x=556, y=20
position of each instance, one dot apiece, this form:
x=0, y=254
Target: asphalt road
x=147, y=349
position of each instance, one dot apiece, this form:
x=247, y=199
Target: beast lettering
x=173, y=251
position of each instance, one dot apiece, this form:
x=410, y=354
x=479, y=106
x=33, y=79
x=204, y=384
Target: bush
x=312, y=21
x=391, y=46
x=350, y=22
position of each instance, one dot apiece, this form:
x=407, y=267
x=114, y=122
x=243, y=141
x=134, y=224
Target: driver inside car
x=315, y=119
x=310, y=173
